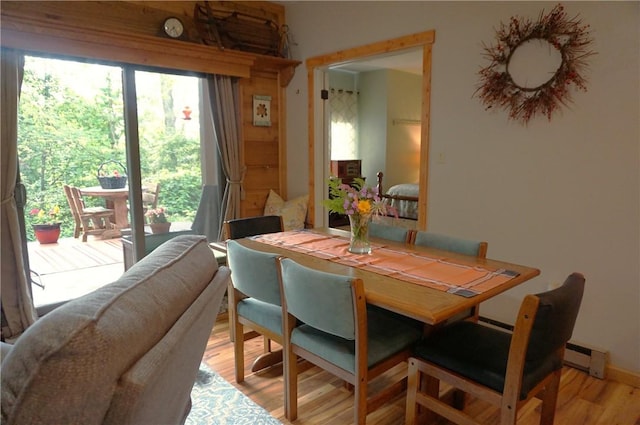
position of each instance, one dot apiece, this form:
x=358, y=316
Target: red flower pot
x=47, y=233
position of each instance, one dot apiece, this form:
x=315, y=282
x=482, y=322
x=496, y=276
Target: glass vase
x=360, y=233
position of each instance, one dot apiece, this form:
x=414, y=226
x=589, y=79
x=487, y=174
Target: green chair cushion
x=387, y=334
x=264, y=314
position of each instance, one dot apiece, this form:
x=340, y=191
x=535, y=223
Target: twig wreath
x=497, y=86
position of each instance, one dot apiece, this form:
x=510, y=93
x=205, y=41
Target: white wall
x=562, y=195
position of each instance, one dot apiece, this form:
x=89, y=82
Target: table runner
x=435, y=272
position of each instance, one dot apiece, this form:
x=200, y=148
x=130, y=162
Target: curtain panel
x=18, y=312
x=344, y=123
x=225, y=107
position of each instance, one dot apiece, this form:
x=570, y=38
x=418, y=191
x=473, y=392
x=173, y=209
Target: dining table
x=422, y=283
x=114, y=198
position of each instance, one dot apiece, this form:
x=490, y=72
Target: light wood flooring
x=323, y=399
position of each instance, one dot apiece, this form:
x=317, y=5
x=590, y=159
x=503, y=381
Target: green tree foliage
x=65, y=135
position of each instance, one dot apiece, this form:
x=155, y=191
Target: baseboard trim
x=623, y=376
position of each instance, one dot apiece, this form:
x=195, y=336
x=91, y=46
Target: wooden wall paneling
x=261, y=148
x=128, y=32
x=261, y=177
x=261, y=153
x=254, y=202
x=131, y=32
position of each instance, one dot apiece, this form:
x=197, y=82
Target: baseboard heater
x=591, y=360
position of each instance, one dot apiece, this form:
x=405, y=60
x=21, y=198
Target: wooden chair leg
x=431, y=387
x=290, y=384
x=550, y=399
x=238, y=351
x=360, y=401
x=413, y=382
x=508, y=411
x=267, y=344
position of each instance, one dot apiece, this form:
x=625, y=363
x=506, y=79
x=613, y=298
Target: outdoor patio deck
x=71, y=268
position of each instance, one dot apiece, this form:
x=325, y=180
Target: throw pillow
x=293, y=212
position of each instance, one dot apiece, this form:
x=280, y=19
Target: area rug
x=217, y=402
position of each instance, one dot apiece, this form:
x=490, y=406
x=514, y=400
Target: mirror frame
x=321, y=63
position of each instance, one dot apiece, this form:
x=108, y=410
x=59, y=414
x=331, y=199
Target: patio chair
x=88, y=221
x=150, y=196
x=505, y=370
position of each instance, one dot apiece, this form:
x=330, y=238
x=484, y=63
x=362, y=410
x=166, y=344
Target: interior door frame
x=318, y=152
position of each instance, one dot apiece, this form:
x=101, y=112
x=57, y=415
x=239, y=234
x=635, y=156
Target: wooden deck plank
x=72, y=268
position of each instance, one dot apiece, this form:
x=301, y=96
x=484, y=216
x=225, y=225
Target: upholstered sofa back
x=127, y=353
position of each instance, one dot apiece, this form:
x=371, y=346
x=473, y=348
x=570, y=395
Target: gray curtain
x=18, y=312
x=207, y=219
x=225, y=107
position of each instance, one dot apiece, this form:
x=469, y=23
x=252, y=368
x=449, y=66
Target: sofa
x=127, y=353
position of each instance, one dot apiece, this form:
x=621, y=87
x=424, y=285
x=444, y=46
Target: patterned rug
x=217, y=402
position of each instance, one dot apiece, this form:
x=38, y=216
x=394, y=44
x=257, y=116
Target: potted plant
x=46, y=224
x=157, y=219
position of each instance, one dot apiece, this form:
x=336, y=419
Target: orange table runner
x=435, y=272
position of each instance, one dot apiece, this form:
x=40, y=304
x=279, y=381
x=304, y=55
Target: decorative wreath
x=497, y=87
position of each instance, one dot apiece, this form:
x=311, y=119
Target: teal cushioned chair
x=451, y=243
x=326, y=322
x=254, y=301
x=392, y=233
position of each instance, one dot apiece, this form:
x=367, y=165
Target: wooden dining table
x=425, y=302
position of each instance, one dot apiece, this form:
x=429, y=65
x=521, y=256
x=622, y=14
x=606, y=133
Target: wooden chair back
x=74, y=210
x=89, y=221
x=150, y=196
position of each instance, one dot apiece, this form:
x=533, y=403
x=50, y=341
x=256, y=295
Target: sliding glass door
x=72, y=132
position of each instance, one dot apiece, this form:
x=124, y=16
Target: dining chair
x=453, y=244
x=326, y=322
x=392, y=233
x=450, y=243
x=252, y=226
x=504, y=369
x=254, y=302
x=88, y=221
